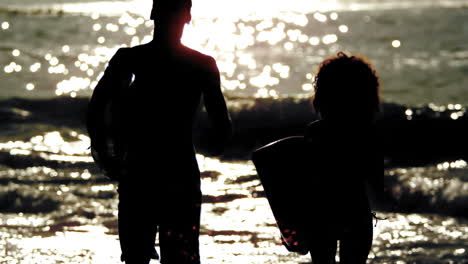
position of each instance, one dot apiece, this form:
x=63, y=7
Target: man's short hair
x=166, y=7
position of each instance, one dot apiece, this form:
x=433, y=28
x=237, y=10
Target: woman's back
x=342, y=161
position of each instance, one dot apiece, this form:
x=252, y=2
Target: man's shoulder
x=185, y=52
x=204, y=65
x=121, y=54
x=194, y=53
x=198, y=56
x=132, y=55
x=133, y=51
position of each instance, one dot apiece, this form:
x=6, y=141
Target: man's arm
x=216, y=108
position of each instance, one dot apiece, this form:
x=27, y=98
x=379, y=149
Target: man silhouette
x=154, y=92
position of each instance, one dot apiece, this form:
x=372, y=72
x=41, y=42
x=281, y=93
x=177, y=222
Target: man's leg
x=179, y=232
x=137, y=225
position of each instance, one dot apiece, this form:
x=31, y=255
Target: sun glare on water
x=236, y=34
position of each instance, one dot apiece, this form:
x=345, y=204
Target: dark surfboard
x=282, y=167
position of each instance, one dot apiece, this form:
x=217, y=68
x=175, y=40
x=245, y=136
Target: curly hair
x=346, y=83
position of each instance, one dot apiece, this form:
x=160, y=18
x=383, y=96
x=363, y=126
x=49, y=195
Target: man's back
x=155, y=114
x=160, y=106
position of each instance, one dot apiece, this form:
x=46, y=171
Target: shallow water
x=237, y=224
x=57, y=207
x=68, y=213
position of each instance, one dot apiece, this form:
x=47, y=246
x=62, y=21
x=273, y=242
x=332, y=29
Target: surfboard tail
x=280, y=167
x=293, y=241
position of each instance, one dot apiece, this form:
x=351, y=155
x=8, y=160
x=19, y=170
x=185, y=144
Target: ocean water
x=270, y=48
x=57, y=207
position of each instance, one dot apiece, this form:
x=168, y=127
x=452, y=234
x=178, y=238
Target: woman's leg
x=323, y=250
x=356, y=242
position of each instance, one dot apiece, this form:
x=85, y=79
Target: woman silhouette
x=345, y=159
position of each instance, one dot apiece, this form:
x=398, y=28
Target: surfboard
x=282, y=169
x=105, y=124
